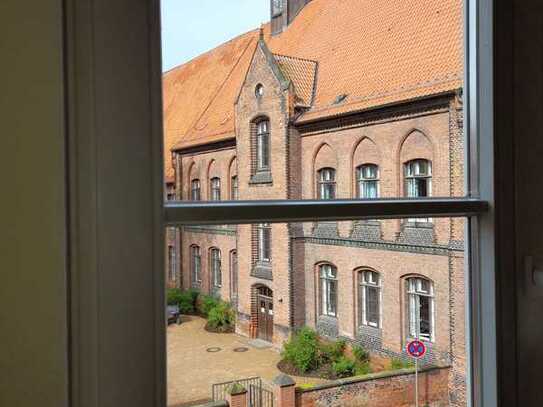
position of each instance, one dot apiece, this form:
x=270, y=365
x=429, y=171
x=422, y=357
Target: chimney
x=283, y=12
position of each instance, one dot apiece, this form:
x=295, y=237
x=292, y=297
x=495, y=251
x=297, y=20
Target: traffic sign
x=416, y=348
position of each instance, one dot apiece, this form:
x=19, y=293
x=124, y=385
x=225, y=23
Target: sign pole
x=416, y=382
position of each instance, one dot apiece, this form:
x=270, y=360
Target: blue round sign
x=417, y=349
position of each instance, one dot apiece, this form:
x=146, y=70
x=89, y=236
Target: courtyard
x=197, y=359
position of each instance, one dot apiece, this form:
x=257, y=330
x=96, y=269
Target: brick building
x=332, y=99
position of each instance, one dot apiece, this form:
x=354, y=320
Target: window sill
x=261, y=177
x=263, y=271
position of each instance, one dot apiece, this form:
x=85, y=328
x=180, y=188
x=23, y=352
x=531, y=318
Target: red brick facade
x=389, y=137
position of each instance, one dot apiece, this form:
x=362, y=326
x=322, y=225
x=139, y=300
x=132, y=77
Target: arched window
x=328, y=287
x=215, y=262
x=264, y=242
x=195, y=264
x=234, y=188
x=326, y=183
x=420, y=304
x=234, y=273
x=277, y=7
x=369, y=298
x=215, y=189
x=367, y=178
x=418, y=178
x=195, y=194
x=263, y=145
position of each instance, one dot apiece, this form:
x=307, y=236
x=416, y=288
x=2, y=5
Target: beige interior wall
x=33, y=334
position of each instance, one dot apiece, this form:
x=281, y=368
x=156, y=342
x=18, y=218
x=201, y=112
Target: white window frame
x=263, y=153
x=414, y=293
x=328, y=276
x=195, y=188
x=110, y=112
x=326, y=182
x=215, y=266
x=362, y=180
x=262, y=229
x=172, y=263
x=363, y=287
x=195, y=267
x=215, y=189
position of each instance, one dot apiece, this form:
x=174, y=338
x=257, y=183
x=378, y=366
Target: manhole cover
x=213, y=349
x=241, y=349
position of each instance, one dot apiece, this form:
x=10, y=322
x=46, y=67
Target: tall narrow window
x=369, y=292
x=418, y=179
x=328, y=280
x=215, y=189
x=196, y=264
x=420, y=297
x=367, y=177
x=195, y=194
x=263, y=145
x=216, y=273
x=172, y=263
x=326, y=183
x=264, y=242
x=234, y=273
x=234, y=188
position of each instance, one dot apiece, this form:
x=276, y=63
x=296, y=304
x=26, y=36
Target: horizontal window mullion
x=242, y=212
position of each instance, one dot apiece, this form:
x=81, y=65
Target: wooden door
x=265, y=318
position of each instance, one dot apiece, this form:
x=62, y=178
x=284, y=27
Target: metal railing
x=257, y=396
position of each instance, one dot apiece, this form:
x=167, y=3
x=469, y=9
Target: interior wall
x=33, y=333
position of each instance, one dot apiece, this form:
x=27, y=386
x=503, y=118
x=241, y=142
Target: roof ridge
x=209, y=51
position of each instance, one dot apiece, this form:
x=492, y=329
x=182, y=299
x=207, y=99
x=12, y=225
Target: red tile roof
x=376, y=52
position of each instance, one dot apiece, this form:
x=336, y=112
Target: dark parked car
x=173, y=314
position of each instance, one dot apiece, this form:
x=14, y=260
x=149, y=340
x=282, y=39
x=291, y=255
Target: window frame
x=215, y=267
x=327, y=304
x=193, y=190
x=215, y=189
x=413, y=296
x=264, y=243
x=195, y=273
x=362, y=180
x=323, y=184
x=94, y=67
x=363, y=287
x=262, y=145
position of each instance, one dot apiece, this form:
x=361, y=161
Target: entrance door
x=265, y=313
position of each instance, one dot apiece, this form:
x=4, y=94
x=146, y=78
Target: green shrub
x=360, y=354
x=194, y=293
x=186, y=304
x=344, y=367
x=173, y=296
x=397, y=363
x=362, y=369
x=331, y=352
x=207, y=303
x=222, y=316
x=302, y=350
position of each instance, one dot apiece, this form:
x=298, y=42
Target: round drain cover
x=213, y=349
x=241, y=349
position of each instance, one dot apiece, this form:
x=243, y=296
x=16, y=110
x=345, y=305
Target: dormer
x=283, y=12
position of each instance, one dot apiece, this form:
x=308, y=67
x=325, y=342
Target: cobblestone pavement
x=192, y=369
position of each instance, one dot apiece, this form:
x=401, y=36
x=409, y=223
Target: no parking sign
x=416, y=348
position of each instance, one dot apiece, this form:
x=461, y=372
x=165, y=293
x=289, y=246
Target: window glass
x=195, y=190
x=309, y=112
x=327, y=183
x=263, y=145
x=215, y=189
